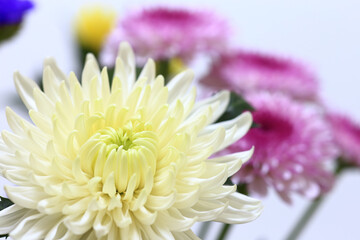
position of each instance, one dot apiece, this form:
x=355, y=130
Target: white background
x=323, y=33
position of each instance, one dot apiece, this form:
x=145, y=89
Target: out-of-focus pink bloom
x=292, y=145
x=347, y=137
x=244, y=71
x=164, y=33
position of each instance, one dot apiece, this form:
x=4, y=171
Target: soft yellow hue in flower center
x=123, y=157
x=116, y=139
x=93, y=25
x=125, y=138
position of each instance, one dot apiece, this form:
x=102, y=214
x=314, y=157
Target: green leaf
x=242, y=188
x=4, y=236
x=162, y=67
x=8, y=31
x=5, y=202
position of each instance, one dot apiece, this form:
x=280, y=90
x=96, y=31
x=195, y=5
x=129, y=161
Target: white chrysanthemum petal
x=27, y=197
x=37, y=226
x=91, y=71
x=125, y=66
x=187, y=235
x=160, y=202
x=175, y=221
x=128, y=162
x=233, y=161
x=24, y=87
x=179, y=85
x=44, y=104
x=238, y=127
x=57, y=231
x=14, y=160
x=50, y=84
x=3, y=147
x=20, y=126
x=81, y=223
x=25, y=223
x=184, y=200
x=41, y=121
x=18, y=176
x=218, y=102
x=16, y=123
x=241, y=209
x=103, y=223
x=65, y=98
x=218, y=193
x=205, y=210
x=105, y=87
x=212, y=140
x=21, y=143
x=157, y=231
x=11, y=216
x=51, y=205
x=148, y=71
x=60, y=76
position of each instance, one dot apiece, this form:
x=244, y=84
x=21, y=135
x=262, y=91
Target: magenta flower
x=244, y=71
x=292, y=143
x=164, y=33
x=347, y=137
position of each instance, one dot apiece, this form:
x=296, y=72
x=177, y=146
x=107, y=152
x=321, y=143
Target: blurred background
x=323, y=34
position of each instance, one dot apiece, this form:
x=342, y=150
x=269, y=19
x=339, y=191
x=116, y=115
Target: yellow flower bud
x=93, y=25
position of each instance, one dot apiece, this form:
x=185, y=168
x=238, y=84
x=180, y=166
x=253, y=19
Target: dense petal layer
x=130, y=161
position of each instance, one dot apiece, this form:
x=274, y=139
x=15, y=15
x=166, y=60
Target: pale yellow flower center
x=129, y=153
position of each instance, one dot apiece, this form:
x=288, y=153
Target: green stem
x=204, y=229
x=224, y=231
x=310, y=211
x=341, y=165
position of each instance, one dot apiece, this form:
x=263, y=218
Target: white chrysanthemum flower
x=130, y=162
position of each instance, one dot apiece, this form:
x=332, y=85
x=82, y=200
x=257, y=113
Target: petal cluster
x=165, y=33
x=130, y=161
x=293, y=144
x=246, y=71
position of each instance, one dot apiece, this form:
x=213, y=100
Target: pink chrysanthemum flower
x=347, y=137
x=292, y=143
x=164, y=33
x=244, y=71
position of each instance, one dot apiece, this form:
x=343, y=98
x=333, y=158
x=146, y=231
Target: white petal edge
x=24, y=87
x=60, y=76
x=10, y=217
x=233, y=161
x=127, y=66
x=179, y=84
x=187, y=235
x=239, y=125
x=241, y=209
x=221, y=99
x=148, y=71
x=91, y=70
